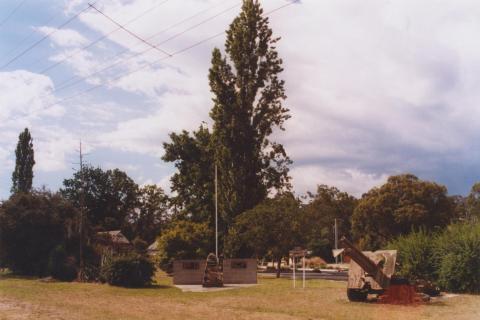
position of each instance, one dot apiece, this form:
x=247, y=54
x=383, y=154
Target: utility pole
x=216, y=211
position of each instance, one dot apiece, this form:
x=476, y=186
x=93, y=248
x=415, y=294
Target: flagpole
x=216, y=212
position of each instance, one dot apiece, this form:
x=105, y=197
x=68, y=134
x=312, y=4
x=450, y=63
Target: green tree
x=193, y=184
x=272, y=228
x=110, y=196
x=23, y=174
x=324, y=207
x=460, y=208
x=150, y=216
x=184, y=240
x=472, y=203
x=403, y=203
x=32, y=225
x=248, y=106
x=248, y=96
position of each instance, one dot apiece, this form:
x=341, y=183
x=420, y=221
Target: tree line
x=33, y=223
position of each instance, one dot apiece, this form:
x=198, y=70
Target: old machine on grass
x=373, y=273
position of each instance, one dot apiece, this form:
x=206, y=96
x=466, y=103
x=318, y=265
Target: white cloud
x=53, y=145
x=64, y=37
x=83, y=63
x=307, y=178
x=146, y=134
x=27, y=101
x=26, y=94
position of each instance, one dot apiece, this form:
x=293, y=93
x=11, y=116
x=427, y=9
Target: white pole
x=294, y=284
x=336, y=240
x=303, y=272
x=216, y=212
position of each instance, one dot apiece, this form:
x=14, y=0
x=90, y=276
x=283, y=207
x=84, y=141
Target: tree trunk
x=279, y=263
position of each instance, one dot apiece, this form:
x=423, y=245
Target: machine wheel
x=357, y=295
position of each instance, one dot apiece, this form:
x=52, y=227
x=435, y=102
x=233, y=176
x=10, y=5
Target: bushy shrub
x=416, y=255
x=128, y=271
x=458, y=250
x=61, y=266
x=450, y=259
x=184, y=240
x=31, y=226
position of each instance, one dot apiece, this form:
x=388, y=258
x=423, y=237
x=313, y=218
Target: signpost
x=298, y=253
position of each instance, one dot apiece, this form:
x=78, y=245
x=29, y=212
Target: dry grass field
x=22, y=298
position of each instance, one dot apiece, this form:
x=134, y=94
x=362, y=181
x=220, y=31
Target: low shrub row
x=450, y=259
x=131, y=271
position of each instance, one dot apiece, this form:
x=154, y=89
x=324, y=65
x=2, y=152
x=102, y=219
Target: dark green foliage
x=458, y=249
x=109, y=196
x=140, y=246
x=23, y=174
x=272, y=228
x=324, y=207
x=31, y=226
x=150, y=216
x=248, y=96
x=472, y=204
x=193, y=184
x=460, y=209
x=184, y=240
x=60, y=265
x=416, y=255
x=403, y=203
x=132, y=271
x=449, y=259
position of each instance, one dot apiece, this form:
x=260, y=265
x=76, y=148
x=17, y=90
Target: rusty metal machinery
x=370, y=272
x=373, y=273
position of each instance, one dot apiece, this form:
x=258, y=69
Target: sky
x=375, y=87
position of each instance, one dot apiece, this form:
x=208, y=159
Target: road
x=325, y=275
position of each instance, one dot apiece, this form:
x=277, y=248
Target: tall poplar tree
x=248, y=96
x=23, y=174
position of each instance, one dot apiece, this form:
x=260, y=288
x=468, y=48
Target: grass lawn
x=22, y=298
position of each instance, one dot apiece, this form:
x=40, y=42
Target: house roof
x=153, y=246
x=115, y=236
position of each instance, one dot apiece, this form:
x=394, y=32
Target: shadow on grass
x=152, y=286
x=12, y=276
x=9, y=275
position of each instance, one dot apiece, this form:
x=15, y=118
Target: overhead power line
x=67, y=84
x=91, y=44
x=129, y=32
x=151, y=64
x=5, y=20
x=19, y=43
x=43, y=38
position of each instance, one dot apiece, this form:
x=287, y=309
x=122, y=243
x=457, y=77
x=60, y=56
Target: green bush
x=128, y=271
x=416, y=255
x=450, y=259
x=184, y=240
x=60, y=266
x=31, y=226
x=458, y=250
